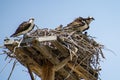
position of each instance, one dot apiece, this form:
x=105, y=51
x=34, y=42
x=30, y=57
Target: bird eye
x=32, y=18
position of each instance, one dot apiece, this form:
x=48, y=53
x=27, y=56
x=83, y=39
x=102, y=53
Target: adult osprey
x=86, y=22
x=24, y=28
x=80, y=24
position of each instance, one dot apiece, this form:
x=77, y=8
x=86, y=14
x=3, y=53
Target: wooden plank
x=24, y=59
x=27, y=40
x=48, y=72
x=75, y=70
x=61, y=64
x=86, y=73
x=40, y=39
x=47, y=53
x=30, y=72
x=61, y=48
x=82, y=72
x=10, y=41
x=65, y=73
x=46, y=38
x=21, y=55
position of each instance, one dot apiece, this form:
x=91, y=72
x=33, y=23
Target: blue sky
x=51, y=13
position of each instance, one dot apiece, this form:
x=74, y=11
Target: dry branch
x=14, y=64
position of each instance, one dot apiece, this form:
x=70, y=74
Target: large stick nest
x=83, y=49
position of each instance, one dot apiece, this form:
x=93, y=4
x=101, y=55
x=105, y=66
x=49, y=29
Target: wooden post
x=30, y=72
x=48, y=72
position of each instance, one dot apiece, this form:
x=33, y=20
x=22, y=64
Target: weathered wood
x=30, y=72
x=82, y=72
x=86, y=73
x=24, y=59
x=65, y=73
x=46, y=38
x=48, y=72
x=61, y=64
x=10, y=41
x=40, y=39
x=61, y=48
x=47, y=53
x=75, y=70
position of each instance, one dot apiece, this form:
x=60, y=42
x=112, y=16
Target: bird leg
x=27, y=35
x=37, y=29
x=20, y=42
x=36, y=26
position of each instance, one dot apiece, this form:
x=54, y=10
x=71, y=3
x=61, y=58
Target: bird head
x=31, y=20
x=90, y=18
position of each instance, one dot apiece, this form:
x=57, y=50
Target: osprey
x=86, y=22
x=24, y=28
x=80, y=24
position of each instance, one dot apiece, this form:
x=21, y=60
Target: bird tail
x=13, y=35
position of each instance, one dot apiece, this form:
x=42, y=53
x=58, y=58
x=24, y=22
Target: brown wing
x=78, y=22
x=22, y=27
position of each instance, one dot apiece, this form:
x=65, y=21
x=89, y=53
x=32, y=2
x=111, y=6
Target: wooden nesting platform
x=51, y=59
x=63, y=53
